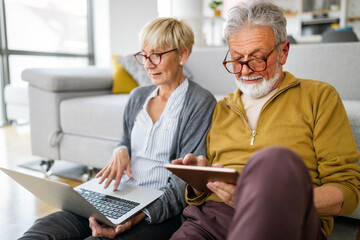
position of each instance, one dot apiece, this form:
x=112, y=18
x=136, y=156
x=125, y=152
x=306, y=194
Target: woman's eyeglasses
x=154, y=58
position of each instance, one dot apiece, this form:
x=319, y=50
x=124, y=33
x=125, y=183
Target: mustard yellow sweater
x=306, y=116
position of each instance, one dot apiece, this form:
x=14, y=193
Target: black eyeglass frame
x=242, y=63
x=149, y=57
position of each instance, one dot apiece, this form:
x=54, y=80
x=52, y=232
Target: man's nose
x=245, y=71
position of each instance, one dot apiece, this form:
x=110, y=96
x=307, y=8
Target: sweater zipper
x=265, y=105
x=253, y=137
x=243, y=118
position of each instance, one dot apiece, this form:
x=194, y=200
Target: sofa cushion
x=97, y=116
x=69, y=79
x=138, y=71
x=317, y=61
x=17, y=102
x=353, y=111
x=123, y=82
x=208, y=70
x=17, y=94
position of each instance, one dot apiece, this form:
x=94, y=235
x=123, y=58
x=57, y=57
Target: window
x=42, y=33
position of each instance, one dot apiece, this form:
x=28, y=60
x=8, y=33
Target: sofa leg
x=89, y=174
x=46, y=165
x=18, y=122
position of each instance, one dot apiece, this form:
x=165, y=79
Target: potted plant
x=215, y=6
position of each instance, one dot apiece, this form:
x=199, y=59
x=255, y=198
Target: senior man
x=289, y=138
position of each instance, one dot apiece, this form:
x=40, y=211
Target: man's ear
x=183, y=56
x=284, y=52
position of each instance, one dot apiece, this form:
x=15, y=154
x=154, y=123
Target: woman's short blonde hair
x=167, y=33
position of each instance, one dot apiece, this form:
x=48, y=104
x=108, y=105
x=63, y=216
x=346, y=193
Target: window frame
x=5, y=52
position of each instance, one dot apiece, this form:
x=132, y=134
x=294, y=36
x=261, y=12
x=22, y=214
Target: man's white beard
x=258, y=90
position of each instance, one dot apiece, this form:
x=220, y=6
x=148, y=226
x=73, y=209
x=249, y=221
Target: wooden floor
x=19, y=208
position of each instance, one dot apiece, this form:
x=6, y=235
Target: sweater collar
x=288, y=82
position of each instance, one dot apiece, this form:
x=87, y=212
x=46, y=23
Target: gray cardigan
x=190, y=137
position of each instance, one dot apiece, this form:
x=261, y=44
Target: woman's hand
x=120, y=161
x=98, y=230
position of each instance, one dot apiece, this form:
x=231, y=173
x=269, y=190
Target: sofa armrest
x=352, y=108
x=353, y=111
x=69, y=79
x=48, y=87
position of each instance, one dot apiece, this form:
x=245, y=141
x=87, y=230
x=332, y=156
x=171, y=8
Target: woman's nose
x=148, y=63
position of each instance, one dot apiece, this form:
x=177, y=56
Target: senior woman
x=162, y=122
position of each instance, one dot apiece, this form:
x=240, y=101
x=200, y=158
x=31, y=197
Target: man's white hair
x=257, y=13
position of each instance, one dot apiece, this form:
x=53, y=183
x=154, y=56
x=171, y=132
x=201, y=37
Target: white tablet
x=197, y=177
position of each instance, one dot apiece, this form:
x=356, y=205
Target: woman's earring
x=181, y=64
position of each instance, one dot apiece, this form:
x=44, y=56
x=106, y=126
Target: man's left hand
x=225, y=191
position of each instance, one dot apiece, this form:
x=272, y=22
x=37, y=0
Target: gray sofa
x=74, y=116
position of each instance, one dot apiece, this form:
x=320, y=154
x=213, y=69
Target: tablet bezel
x=198, y=176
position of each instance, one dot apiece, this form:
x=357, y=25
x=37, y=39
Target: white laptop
x=90, y=198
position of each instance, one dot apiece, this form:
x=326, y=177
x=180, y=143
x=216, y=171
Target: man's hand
x=120, y=161
x=225, y=191
x=328, y=200
x=190, y=159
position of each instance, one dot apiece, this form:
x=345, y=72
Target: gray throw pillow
x=138, y=71
x=187, y=73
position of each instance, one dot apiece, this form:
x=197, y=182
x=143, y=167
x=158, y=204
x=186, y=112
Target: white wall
x=102, y=33
x=117, y=25
x=191, y=10
x=127, y=17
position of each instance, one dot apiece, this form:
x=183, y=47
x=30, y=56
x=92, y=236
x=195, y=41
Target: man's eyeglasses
x=154, y=58
x=256, y=64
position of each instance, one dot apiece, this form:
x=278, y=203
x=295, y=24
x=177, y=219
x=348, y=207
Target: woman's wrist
x=120, y=148
x=138, y=218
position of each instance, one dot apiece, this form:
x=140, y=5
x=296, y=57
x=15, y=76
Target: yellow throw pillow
x=123, y=82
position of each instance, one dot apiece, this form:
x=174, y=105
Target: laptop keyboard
x=110, y=206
